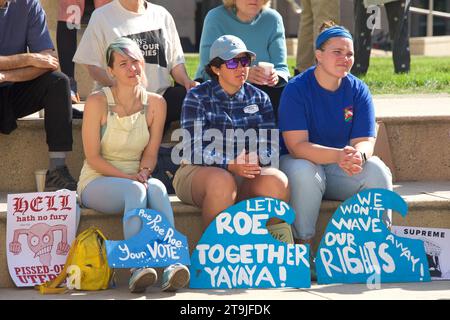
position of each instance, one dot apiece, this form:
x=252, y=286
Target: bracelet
x=145, y=168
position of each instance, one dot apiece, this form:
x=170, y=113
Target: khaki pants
x=314, y=13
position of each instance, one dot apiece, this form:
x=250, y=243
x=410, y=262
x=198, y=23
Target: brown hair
x=216, y=62
x=327, y=25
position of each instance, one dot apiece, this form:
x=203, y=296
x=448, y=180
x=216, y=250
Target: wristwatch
x=363, y=157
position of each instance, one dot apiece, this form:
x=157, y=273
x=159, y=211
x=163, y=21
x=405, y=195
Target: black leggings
x=174, y=97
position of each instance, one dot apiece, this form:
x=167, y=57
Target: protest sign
x=40, y=228
x=437, y=248
x=158, y=244
x=357, y=246
x=237, y=251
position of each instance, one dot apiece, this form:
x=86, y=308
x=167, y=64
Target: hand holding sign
x=237, y=251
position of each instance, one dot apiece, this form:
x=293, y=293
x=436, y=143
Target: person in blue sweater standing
x=261, y=29
x=327, y=121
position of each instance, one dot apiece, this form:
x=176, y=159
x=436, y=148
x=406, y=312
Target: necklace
x=127, y=113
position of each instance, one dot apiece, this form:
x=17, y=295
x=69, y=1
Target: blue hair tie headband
x=332, y=32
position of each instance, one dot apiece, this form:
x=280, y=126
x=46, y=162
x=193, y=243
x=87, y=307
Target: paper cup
x=40, y=179
x=267, y=66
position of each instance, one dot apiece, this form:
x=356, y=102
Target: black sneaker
x=77, y=114
x=59, y=178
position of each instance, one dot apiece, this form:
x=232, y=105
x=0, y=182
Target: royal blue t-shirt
x=332, y=119
x=23, y=26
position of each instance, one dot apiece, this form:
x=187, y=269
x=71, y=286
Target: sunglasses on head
x=234, y=62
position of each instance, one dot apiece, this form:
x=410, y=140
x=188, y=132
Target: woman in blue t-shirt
x=327, y=122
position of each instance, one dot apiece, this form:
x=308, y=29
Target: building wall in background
x=189, y=15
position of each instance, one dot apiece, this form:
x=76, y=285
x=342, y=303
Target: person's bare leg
x=273, y=184
x=213, y=190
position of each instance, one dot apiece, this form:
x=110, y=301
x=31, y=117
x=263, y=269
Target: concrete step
x=419, y=146
x=428, y=203
x=25, y=150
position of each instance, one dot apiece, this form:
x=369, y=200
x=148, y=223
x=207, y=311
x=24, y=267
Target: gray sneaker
x=141, y=279
x=175, y=277
x=59, y=178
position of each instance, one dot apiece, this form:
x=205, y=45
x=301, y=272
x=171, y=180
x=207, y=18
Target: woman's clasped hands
x=350, y=161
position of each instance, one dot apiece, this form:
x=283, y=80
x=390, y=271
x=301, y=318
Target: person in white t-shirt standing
x=154, y=30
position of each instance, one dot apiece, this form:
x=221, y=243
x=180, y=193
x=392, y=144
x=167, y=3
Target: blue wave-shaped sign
x=357, y=245
x=158, y=244
x=237, y=251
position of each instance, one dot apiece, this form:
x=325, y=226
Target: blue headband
x=332, y=32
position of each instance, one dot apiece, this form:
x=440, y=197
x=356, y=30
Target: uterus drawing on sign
x=40, y=239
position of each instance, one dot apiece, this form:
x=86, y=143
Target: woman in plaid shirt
x=217, y=173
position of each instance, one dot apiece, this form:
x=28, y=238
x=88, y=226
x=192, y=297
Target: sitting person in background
x=327, y=121
x=220, y=179
x=29, y=82
x=70, y=13
x=122, y=132
x=153, y=29
x=261, y=29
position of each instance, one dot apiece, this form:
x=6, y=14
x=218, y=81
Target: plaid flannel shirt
x=208, y=106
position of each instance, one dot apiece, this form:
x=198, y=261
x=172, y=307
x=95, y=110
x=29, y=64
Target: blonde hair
x=127, y=47
x=229, y=4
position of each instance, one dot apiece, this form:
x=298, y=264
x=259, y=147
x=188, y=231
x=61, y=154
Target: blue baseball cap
x=227, y=47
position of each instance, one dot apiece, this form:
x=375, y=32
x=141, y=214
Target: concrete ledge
x=436, y=46
x=25, y=150
x=420, y=148
x=428, y=206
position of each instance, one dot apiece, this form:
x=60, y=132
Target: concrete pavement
x=435, y=290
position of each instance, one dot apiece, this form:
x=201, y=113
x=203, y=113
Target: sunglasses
x=234, y=62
